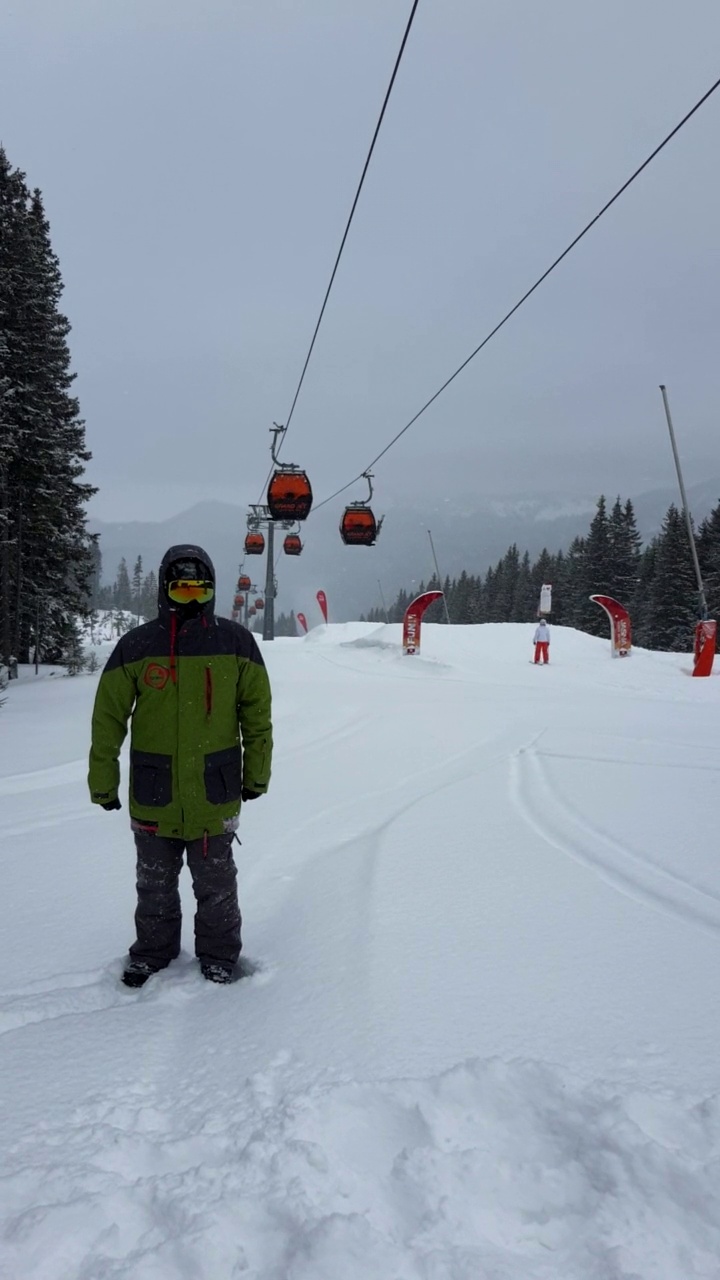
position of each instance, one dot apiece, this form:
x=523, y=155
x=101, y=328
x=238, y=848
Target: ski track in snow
x=632, y=873
x=42, y=779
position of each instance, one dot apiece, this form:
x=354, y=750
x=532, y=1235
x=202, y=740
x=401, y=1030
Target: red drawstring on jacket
x=173, y=637
x=205, y=844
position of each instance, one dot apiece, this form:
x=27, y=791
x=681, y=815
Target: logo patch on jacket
x=157, y=676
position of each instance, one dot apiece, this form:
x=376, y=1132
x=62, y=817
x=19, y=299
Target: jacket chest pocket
x=151, y=778
x=223, y=775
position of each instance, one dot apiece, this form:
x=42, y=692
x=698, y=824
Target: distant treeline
x=137, y=594
x=656, y=582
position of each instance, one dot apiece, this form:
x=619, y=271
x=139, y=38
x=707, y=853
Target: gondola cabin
x=239, y=602
x=234, y=615
x=251, y=612
x=292, y=546
x=244, y=583
x=289, y=495
x=254, y=544
x=358, y=527
x=259, y=604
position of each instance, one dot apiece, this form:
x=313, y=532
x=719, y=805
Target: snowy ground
x=483, y=1041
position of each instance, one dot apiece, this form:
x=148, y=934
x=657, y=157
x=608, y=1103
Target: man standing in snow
x=541, y=640
x=200, y=742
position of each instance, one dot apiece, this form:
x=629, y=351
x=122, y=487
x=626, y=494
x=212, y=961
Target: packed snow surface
x=482, y=1040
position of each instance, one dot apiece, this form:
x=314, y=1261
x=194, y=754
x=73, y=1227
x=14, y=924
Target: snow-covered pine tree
x=640, y=607
x=12, y=207
x=672, y=604
x=507, y=572
x=625, y=546
x=122, y=593
x=524, y=603
x=708, y=544
x=561, y=610
x=149, y=597
x=45, y=549
x=476, y=601
x=573, y=581
x=137, y=585
x=596, y=573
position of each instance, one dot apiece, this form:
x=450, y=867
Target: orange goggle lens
x=185, y=590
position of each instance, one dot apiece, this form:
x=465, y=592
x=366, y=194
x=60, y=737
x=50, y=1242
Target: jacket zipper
x=173, y=641
x=208, y=692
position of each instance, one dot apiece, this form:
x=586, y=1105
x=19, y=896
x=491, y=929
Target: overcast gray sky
x=198, y=160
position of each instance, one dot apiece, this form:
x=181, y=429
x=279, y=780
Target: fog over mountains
x=469, y=533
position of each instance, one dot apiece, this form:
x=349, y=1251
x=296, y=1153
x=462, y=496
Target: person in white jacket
x=542, y=641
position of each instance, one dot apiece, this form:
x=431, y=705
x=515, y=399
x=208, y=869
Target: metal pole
x=382, y=597
x=437, y=571
x=686, y=509
x=269, y=613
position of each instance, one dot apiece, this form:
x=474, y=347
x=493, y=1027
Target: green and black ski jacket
x=198, y=696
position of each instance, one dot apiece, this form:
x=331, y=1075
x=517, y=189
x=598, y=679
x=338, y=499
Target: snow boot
x=137, y=973
x=215, y=972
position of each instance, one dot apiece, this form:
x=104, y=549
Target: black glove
x=250, y=795
x=112, y=804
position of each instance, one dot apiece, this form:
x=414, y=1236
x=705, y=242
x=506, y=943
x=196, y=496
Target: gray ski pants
x=158, y=918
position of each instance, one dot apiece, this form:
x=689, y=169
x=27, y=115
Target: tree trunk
x=5, y=584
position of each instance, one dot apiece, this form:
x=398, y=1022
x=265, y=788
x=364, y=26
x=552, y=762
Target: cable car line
x=525, y=296
x=366, y=166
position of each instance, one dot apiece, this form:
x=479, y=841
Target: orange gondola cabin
x=255, y=543
x=289, y=495
x=239, y=602
x=292, y=546
x=259, y=604
x=358, y=527
x=244, y=583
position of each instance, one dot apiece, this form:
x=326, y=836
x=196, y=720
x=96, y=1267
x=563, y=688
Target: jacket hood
x=181, y=552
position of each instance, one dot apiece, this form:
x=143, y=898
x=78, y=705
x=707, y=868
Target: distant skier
x=200, y=742
x=541, y=640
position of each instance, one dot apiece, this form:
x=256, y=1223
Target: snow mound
x=506, y=1170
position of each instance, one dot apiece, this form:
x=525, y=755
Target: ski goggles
x=187, y=590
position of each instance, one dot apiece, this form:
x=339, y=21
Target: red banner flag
x=322, y=601
x=620, y=628
x=413, y=618
x=303, y=621
x=705, y=637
